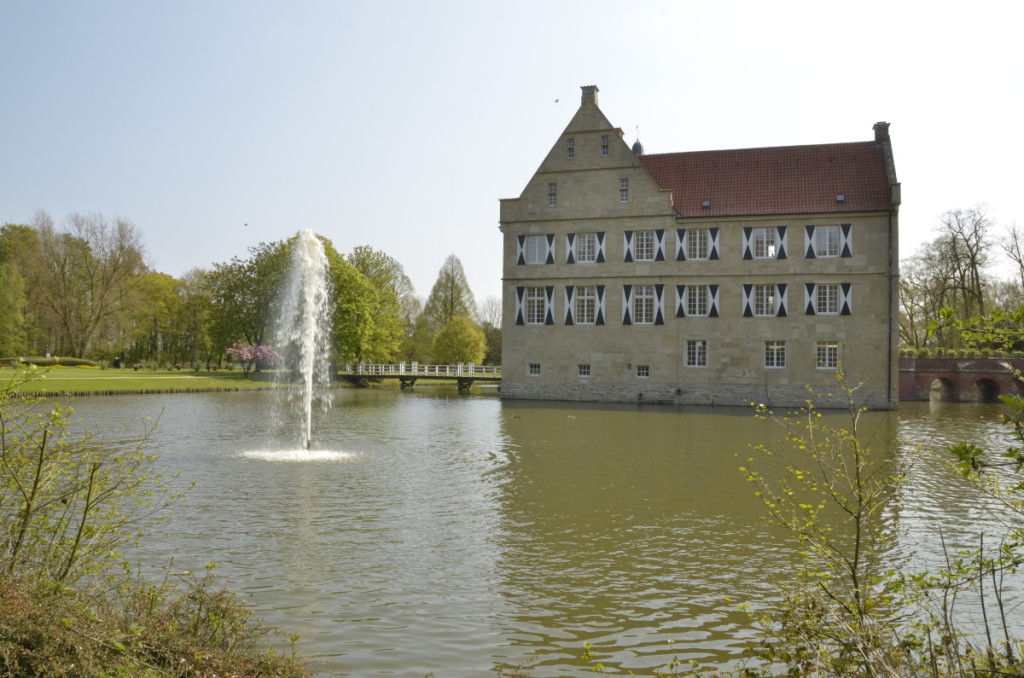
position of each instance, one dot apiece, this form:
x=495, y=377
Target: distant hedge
x=41, y=361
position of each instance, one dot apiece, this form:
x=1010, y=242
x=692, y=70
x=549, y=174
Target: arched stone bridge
x=960, y=379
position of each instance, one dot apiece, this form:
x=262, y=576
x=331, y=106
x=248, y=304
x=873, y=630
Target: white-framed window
x=645, y=244
x=623, y=190
x=586, y=248
x=533, y=369
x=643, y=371
x=586, y=305
x=570, y=148
x=832, y=298
x=535, y=249
x=826, y=355
x=775, y=354
x=552, y=194
x=536, y=305
x=764, y=242
x=699, y=244
x=583, y=369
x=827, y=298
x=696, y=353
x=697, y=300
x=644, y=301
x=697, y=241
x=604, y=145
x=763, y=301
x=826, y=241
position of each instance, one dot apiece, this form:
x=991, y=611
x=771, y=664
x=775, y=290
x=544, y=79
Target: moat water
x=432, y=531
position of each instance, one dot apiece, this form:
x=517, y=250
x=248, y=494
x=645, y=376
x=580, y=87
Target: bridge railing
x=415, y=369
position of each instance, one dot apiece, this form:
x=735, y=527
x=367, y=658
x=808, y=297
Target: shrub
x=67, y=504
x=51, y=361
x=192, y=628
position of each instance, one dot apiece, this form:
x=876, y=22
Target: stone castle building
x=711, y=277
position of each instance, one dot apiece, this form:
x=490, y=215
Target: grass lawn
x=92, y=380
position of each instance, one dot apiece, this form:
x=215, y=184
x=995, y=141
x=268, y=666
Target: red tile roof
x=781, y=180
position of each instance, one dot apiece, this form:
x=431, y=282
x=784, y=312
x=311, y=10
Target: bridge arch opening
x=985, y=391
x=942, y=388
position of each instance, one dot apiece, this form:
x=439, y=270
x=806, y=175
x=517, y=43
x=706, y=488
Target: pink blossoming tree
x=249, y=355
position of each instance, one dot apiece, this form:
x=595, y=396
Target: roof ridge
x=765, y=148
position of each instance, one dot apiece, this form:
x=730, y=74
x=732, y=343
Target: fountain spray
x=304, y=329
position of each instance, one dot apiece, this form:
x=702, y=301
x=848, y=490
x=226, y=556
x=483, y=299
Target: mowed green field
x=91, y=380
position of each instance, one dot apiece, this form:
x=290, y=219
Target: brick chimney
x=881, y=133
x=589, y=94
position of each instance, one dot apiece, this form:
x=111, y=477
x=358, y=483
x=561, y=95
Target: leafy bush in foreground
x=67, y=505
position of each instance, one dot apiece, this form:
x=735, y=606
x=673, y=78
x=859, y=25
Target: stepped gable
x=779, y=180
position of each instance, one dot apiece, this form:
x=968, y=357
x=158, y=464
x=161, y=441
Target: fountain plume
x=303, y=329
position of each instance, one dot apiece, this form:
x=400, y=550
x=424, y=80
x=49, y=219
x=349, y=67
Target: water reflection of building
x=702, y=277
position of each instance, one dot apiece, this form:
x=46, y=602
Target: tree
x=1013, y=245
x=947, y=273
x=249, y=356
x=193, y=315
x=13, y=336
x=151, y=336
x=965, y=244
x=489, y=318
x=450, y=296
x=459, y=341
x=85, y=275
x=19, y=329
x=391, y=288
x=923, y=294
x=352, y=317
x=243, y=295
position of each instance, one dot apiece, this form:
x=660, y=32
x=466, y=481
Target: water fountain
x=303, y=330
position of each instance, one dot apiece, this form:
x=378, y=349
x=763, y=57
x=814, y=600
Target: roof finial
x=638, y=148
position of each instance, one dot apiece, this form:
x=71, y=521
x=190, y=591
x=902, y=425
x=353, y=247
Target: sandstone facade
x=719, y=277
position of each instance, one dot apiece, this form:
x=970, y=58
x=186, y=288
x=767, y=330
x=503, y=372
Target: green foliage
x=352, y=318
x=83, y=279
x=188, y=625
x=844, y=613
x=52, y=361
x=459, y=341
x=450, y=296
x=1000, y=331
x=243, y=295
x=13, y=323
x=391, y=290
x=19, y=248
x=66, y=504
x=842, y=610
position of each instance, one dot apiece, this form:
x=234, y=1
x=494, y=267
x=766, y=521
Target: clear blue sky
x=399, y=125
